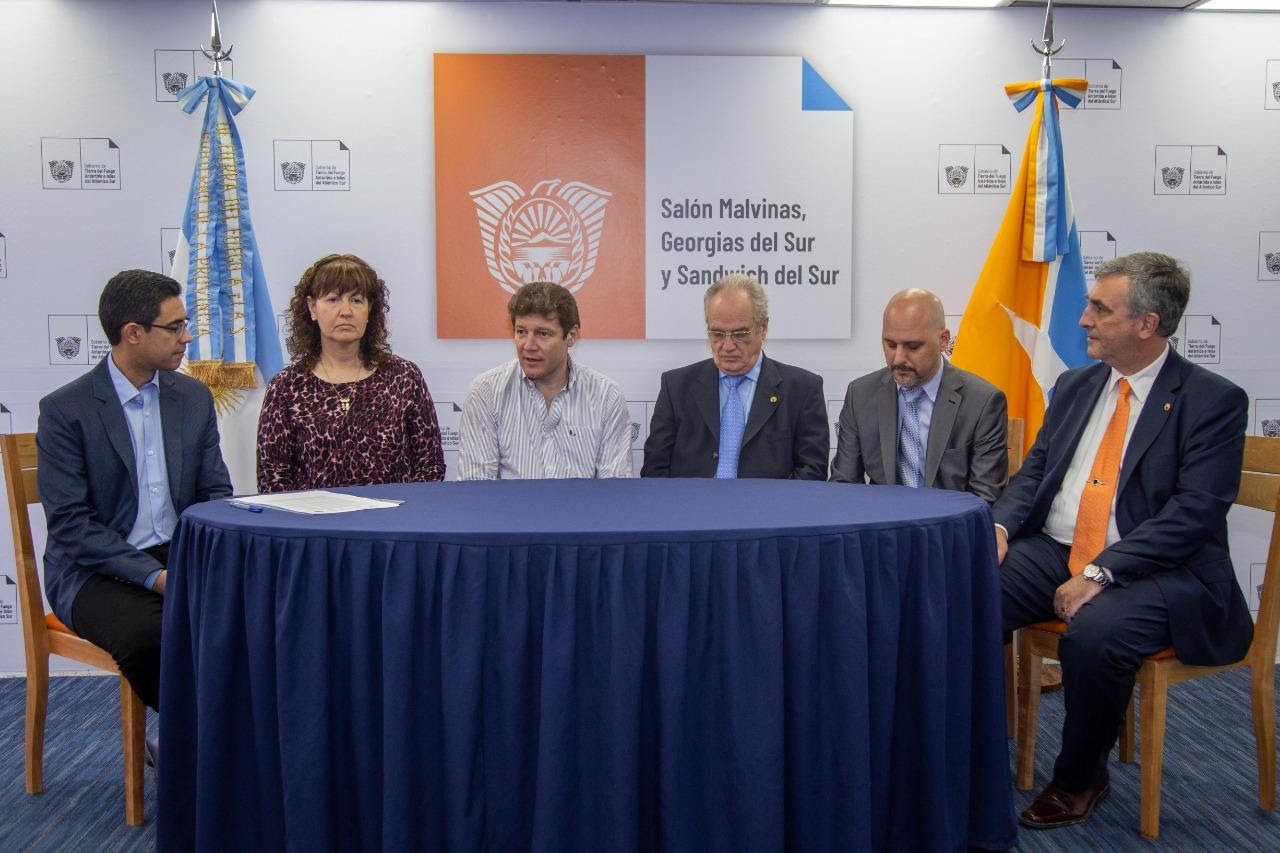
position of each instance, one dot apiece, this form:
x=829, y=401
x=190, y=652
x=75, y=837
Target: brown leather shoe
x=1055, y=807
x=1050, y=678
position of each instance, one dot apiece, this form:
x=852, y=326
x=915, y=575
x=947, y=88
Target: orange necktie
x=1099, y=490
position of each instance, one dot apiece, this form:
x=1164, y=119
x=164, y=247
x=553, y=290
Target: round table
x=592, y=665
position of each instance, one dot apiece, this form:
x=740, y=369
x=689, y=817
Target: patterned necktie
x=733, y=423
x=910, y=445
x=1095, y=501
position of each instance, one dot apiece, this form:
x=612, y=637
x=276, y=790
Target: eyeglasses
x=739, y=336
x=176, y=328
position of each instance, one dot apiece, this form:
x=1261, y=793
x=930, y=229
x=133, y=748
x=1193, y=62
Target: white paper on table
x=315, y=502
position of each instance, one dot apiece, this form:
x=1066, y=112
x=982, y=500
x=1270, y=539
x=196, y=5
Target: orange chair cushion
x=53, y=623
x=1059, y=627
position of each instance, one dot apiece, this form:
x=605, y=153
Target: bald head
x=917, y=301
x=914, y=335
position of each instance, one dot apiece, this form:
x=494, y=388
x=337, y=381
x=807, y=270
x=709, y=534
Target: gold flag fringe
x=223, y=379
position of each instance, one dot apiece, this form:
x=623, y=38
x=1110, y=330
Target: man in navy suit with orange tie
x=1116, y=523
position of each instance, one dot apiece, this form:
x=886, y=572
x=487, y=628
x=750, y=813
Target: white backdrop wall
x=361, y=72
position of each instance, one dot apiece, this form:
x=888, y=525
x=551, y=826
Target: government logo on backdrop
x=312, y=165
x=550, y=234
x=974, y=169
x=1271, y=96
x=1190, y=170
x=174, y=81
x=61, y=170
x=76, y=339
x=79, y=163
x=68, y=347
x=1269, y=256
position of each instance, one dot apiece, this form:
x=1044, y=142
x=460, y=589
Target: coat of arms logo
x=1275, y=90
x=550, y=234
x=293, y=171
x=61, y=170
x=68, y=347
x=1172, y=176
x=957, y=175
x=174, y=81
x=1271, y=427
x=1273, y=262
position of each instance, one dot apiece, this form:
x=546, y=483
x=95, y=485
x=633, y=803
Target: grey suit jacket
x=967, y=449
x=786, y=436
x=88, y=484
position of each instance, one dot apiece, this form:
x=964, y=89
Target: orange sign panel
x=539, y=177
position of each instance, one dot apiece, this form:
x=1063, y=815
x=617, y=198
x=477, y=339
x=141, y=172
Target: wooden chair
x=44, y=635
x=1260, y=489
x=1016, y=443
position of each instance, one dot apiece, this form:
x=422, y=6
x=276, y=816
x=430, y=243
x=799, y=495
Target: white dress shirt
x=1061, y=521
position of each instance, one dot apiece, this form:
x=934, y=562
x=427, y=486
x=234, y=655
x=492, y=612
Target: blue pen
x=250, y=507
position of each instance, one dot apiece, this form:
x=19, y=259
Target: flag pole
x=215, y=52
x=1044, y=47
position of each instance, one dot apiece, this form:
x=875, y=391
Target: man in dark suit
x=123, y=450
x=1116, y=523
x=739, y=413
x=919, y=421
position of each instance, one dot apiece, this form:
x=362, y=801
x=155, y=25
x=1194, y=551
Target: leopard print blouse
x=389, y=435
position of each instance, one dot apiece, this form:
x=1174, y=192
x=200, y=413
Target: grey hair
x=1158, y=285
x=749, y=286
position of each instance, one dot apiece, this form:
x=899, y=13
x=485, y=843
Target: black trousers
x=125, y=620
x=1100, y=653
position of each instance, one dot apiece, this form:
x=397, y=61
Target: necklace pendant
x=345, y=403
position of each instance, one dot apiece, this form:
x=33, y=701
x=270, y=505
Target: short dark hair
x=548, y=300
x=133, y=296
x=1158, y=285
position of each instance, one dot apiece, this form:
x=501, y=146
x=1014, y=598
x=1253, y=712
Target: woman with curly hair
x=346, y=412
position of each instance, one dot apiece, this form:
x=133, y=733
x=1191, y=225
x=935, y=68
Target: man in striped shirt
x=543, y=415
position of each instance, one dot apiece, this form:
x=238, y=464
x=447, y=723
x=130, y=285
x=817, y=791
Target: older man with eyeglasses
x=738, y=413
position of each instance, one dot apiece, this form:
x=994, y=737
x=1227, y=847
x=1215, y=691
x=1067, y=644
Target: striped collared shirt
x=508, y=433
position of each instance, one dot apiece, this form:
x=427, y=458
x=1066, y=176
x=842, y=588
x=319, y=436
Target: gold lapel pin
x=1168, y=406
x=773, y=399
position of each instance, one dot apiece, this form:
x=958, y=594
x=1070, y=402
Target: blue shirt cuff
x=150, y=582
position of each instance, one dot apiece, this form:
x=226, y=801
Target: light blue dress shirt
x=924, y=406
x=156, y=519
x=746, y=391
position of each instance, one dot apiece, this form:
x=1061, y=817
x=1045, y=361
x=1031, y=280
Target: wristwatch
x=1098, y=575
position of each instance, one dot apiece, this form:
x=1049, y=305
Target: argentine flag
x=1020, y=329
x=234, y=349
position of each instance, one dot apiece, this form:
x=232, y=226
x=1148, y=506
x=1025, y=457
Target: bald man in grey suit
x=919, y=421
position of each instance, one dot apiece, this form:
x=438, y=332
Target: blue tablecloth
x=578, y=665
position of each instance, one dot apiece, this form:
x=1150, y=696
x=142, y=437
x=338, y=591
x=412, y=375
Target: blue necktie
x=733, y=423
x=910, y=446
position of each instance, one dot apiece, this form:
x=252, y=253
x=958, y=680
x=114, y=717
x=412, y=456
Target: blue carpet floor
x=1209, y=795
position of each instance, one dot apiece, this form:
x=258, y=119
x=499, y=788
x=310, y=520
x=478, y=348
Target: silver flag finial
x=1045, y=47
x=215, y=51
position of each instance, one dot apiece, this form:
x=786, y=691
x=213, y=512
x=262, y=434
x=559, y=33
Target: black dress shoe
x=1055, y=807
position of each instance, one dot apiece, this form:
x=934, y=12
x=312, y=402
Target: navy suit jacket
x=88, y=484
x=1180, y=473
x=786, y=435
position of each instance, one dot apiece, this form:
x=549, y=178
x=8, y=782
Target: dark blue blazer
x=88, y=484
x=1181, y=471
x=786, y=437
